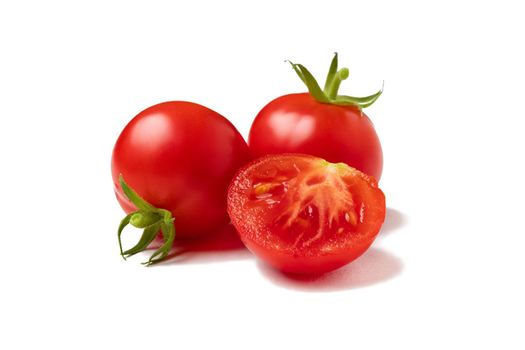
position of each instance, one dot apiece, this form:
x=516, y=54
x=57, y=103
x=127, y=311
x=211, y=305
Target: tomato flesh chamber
x=308, y=206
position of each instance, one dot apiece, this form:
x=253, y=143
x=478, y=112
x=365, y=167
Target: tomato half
x=321, y=123
x=302, y=214
x=181, y=157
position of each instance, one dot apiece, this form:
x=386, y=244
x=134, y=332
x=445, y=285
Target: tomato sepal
x=310, y=82
x=329, y=94
x=152, y=220
x=331, y=72
x=363, y=102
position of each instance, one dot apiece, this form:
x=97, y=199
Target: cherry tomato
x=302, y=214
x=321, y=123
x=177, y=159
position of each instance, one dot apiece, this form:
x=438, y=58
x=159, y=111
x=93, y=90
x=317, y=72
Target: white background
x=447, y=271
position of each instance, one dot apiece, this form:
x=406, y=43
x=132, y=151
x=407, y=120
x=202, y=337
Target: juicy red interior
x=307, y=206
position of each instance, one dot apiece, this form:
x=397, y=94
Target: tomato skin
x=180, y=156
x=283, y=261
x=297, y=123
x=257, y=221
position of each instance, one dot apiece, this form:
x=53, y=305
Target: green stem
x=331, y=73
x=152, y=220
x=329, y=94
x=333, y=88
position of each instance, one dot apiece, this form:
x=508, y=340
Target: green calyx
x=152, y=220
x=334, y=78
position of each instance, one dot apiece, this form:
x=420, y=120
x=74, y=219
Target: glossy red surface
x=297, y=123
x=180, y=156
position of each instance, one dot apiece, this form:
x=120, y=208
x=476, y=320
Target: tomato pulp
x=302, y=214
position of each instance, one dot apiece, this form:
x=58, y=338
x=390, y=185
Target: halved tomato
x=302, y=214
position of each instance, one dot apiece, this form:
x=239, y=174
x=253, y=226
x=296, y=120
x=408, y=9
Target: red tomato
x=320, y=123
x=302, y=214
x=178, y=156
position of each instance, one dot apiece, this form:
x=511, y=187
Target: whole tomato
x=321, y=123
x=177, y=160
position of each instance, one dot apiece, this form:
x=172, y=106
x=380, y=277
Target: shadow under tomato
x=224, y=245
x=394, y=220
x=373, y=267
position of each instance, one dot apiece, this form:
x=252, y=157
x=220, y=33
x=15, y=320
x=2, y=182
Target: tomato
x=177, y=160
x=298, y=123
x=320, y=123
x=302, y=214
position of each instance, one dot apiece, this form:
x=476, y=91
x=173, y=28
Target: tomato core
x=306, y=201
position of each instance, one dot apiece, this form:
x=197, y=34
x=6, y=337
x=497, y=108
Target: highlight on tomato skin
x=321, y=122
x=297, y=123
x=302, y=214
x=171, y=168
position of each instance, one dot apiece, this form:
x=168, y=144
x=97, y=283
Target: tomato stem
x=329, y=94
x=152, y=220
x=333, y=88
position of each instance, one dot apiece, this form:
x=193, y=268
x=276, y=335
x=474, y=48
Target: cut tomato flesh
x=307, y=203
x=303, y=214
